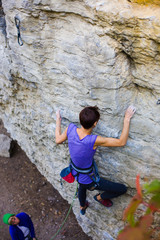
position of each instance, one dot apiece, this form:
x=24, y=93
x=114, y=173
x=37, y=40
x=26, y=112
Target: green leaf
x=153, y=187
x=148, y=211
x=154, y=202
x=130, y=210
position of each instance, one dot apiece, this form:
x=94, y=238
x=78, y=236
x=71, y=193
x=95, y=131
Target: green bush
x=141, y=227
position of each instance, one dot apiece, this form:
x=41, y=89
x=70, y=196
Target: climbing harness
x=17, y=22
x=92, y=171
x=158, y=102
x=68, y=176
x=66, y=215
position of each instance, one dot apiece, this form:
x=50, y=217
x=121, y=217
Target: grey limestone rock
x=5, y=145
x=74, y=54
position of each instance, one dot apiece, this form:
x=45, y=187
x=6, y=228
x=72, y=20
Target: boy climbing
x=82, y=147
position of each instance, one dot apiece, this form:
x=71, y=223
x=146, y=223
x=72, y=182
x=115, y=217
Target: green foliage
x=140, y=229
x=155, y=202
x=139, y=232
x=153, y=187
x=131, y=209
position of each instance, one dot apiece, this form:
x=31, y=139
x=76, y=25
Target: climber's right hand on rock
x=130, y=112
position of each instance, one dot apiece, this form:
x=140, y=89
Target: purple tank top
x=81, y=151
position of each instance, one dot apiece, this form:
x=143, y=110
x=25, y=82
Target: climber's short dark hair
x=88, y=116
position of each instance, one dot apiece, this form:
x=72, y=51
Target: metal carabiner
x=158, y=102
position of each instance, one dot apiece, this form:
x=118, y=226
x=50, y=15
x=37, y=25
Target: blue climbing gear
x=158, y=101
x=92, y=171
x=66, y=174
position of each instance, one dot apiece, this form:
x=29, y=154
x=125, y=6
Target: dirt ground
x=24, y=189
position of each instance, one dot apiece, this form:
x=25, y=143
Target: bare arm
x=60, y=137
x=114, y=142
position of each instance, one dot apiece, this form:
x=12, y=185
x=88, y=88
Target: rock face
x=5, y=145
x=74, y=54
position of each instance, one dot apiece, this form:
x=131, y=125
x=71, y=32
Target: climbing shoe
x=83, y=211
x=105, y=202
